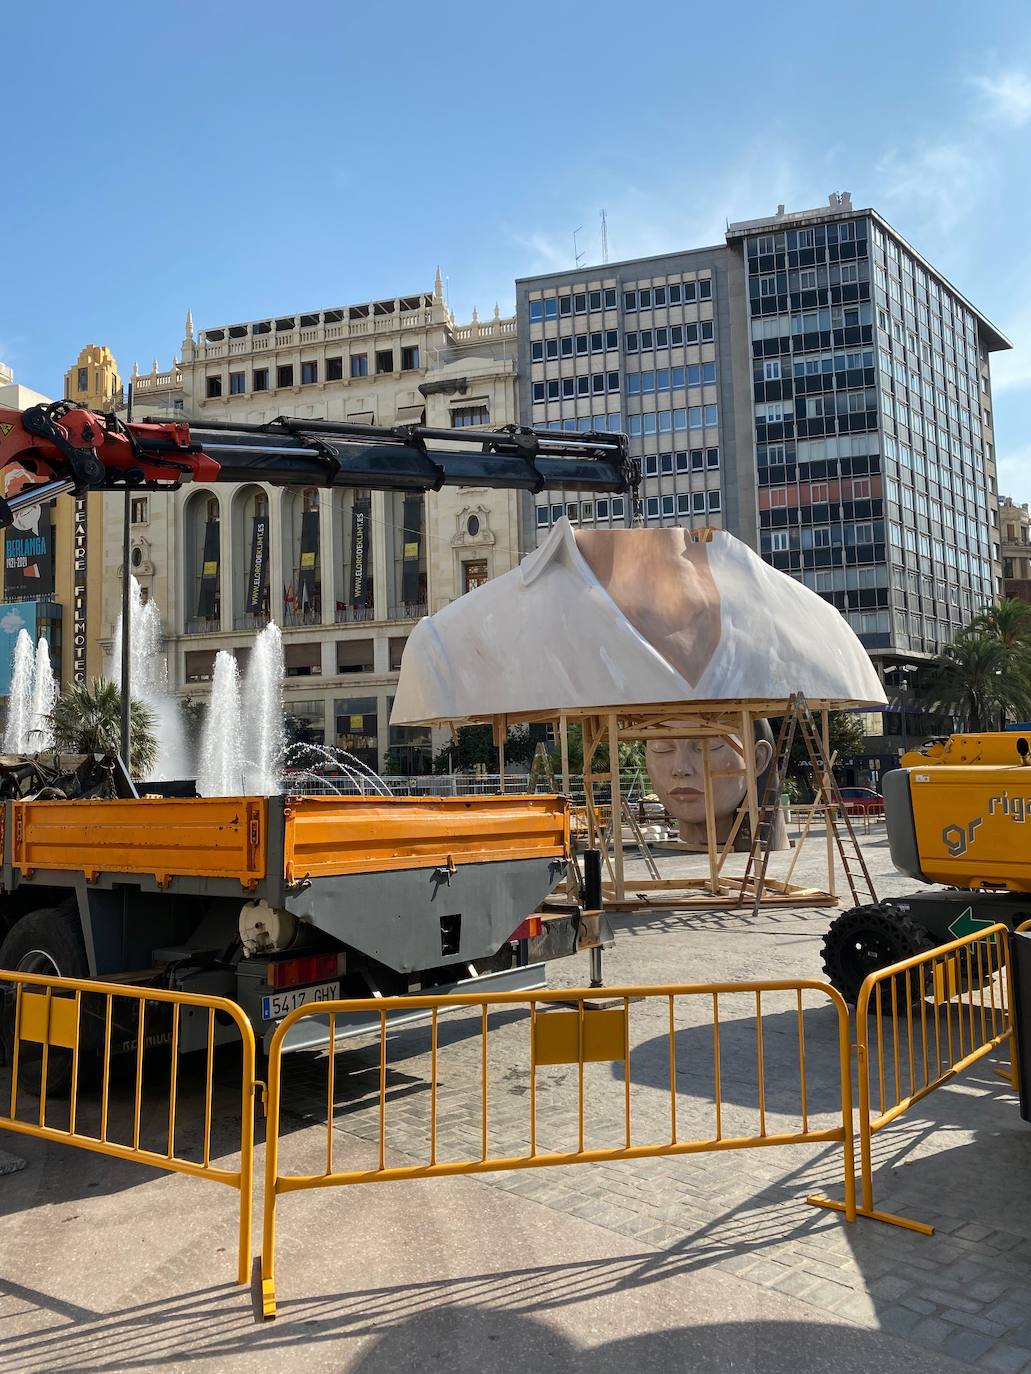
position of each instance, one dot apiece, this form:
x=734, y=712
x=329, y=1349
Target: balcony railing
x=408, y=610
x=203, y=625
x=251, y=620
x=348, y=615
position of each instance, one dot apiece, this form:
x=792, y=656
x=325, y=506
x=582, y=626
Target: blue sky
x=251, y=159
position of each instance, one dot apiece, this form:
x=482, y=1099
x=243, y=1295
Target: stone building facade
x=344, y=573
x=1015, y=530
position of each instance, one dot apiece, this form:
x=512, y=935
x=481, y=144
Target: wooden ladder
x=799, y=719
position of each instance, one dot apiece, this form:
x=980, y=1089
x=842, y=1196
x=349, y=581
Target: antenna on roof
x=578, y=257
x=604, y=237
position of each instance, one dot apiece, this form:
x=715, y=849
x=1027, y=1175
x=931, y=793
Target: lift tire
x=48, y=942
x=867, y=938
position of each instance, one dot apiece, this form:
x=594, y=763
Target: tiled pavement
x=961, y=1159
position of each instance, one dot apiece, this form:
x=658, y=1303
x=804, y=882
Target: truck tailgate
x=328, y=836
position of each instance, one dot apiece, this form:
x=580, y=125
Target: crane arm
x=61, y=447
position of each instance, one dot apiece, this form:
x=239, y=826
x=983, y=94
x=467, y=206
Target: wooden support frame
x=728, y=721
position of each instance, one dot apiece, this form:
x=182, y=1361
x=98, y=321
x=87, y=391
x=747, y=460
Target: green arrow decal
x=966, y=923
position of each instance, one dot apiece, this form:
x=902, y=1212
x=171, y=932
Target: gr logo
x=957, y=840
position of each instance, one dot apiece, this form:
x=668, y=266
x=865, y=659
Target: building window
x=260, y=379
x=651, y=507
x=806, y=238
x=536, y=311
x=385, y=360
x=771, y=371
x=83, y=379
x=138, y=510
x=309, y=373
x=359, y=364
x=462, y=416
x=214, y=386
x=543, y=517
x=860, y=488
x=334, y=369
x=714, y=500
x=821, y=537
x=285, y=375
x=705, y=289
x=819, y=492
x=779, y=541
x=237, y=383
x=410, y=358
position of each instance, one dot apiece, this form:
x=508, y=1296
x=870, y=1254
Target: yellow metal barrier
x=569, y=1028
x=921, y=1022
x=59, y=1026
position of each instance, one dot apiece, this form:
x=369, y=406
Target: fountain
x=148, y=682
x=263, y=712
x=221, y=770
x=19, y=707
x=44, y=698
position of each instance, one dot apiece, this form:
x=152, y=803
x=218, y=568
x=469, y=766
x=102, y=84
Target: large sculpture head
x=676, y=770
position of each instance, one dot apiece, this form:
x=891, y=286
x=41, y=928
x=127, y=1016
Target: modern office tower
x=645, y=347
x=814, y=386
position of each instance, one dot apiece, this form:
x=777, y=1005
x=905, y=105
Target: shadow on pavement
x=480, y=1322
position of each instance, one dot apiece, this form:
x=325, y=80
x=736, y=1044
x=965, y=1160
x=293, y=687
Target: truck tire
x=868, y=938
x=47, y=942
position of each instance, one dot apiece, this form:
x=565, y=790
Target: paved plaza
x=703, y=1262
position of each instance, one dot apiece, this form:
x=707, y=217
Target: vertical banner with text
x=411, y=537
x=207, y=596
x=257, y=576
x=79, y=579
x=307, y=573
x=358, y=573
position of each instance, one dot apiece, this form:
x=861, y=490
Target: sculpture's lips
x=685, y=792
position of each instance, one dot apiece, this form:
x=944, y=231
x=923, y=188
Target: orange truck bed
x=254, y=841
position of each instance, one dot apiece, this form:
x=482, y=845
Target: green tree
x=88, y=720
x=1008, y=621
x=474, y=748
x=980, y=680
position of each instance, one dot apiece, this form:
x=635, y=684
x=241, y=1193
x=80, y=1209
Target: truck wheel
x=868, y=938
x=49, y=943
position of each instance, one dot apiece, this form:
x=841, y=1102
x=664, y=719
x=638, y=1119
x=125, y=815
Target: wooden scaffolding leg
x=616, y=807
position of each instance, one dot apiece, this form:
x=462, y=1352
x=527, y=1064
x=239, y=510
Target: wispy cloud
x=937, y=184
x=1006, y=96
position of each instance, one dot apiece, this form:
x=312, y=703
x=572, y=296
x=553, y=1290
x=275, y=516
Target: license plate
x=279, y=1004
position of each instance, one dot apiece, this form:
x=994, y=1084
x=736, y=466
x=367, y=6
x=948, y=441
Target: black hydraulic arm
x=294, y=452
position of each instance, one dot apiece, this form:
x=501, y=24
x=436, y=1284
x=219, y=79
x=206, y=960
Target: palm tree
x=87, y=720
x=977, y=679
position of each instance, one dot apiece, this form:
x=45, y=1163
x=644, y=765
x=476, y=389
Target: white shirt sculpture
x=603, y=619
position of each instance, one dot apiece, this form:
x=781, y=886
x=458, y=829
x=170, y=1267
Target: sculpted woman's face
x=677, y=772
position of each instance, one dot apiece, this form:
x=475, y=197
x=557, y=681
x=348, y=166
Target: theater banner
x=207, y=598
x=308, y=570
x=29, y=555
x=412, y=536
x=358, y=574
x=257, y=577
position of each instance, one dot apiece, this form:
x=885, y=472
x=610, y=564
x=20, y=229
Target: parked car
x=862, y=801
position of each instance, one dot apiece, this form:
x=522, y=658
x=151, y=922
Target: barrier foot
x=268, y=1299
x=889, y=1218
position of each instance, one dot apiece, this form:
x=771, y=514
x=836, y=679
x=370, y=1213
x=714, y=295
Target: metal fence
x=571, y=1028
x=634, y=785
x=64, y=1032
x=921, y=1022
